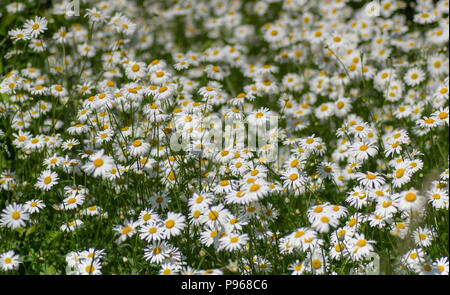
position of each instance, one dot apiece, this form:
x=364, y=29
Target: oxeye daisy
x=317, y=263
x=157, y=251
x=297, y=267
x=428, y=122
x=104, y=136
x=127, y=230
x=362, y=151
x=342, y=235
x=174, y=224
x=414, y=165
x=47, y=179
x=86, y=50
x=146, y=216
x=360, y=247
x=378, y=221
x=224, y=186
x=293, y=179
x=237, y=197
x=9, y=260
x=168, y=268
x=78, y=129
x=338, y=251
x=89, y=267
x=202, y=200
x=358, y=197
x=413, y=257
x=425, y=17
x=96, y=16
x=35, y=27
x=324, y=111
x=414, y=77
x=14, y=216
x=438, y=198
x=342, y=106
x=18, y=34
x=69, y=144
x=225, y=155
x=442, y=115
x=98, y=164
x=410, y=200
x=160, y=201
x=210, y=236
x=73, y=201
x=323, y=223
x=216, y=72
x=327, y=170
x=138, y=148
x=34, y=206
x=370, y=179
x=274, y=34
x=423, y=236
x=385, y=207
x=71, y=225
x=255, y=190
x=15, y=7
x=442, y=265
x=238, y=167
x=215, y=216
x=92, y=210
x=233, y=242
x=135, y=70
x=401, y=175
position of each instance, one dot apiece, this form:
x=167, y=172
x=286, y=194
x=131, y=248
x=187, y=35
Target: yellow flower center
x=137, y=143
x=387, y=203
x=213, y=215
x=361, y=243
x=410, y=197
x=47, y=180
x=98, y=162
x=316, y=263
x=135, y=68
x=370, y=176
x=436, y=196
x=126, y=230
x=363, y=147
x=170, y=223
x=254, y=187
x=15, y=215
x=318, y=209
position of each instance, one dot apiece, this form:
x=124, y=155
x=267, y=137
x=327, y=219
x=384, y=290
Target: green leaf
x=20, y=230
x=30, y=230
x=49, y=270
